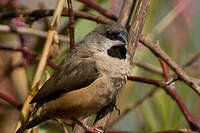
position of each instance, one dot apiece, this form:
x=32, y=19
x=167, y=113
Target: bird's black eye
x=121, y=36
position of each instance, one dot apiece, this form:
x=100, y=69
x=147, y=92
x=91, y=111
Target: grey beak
x=124, y=37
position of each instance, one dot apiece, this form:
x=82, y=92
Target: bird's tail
x=32, y=121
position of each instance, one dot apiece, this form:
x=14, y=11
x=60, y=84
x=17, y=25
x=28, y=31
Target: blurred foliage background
x=179, y=39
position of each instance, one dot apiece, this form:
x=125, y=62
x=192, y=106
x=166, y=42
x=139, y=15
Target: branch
x=147, y=81
x=10, y=100
x=155, y=48
x=125, y=11
x=99, y=9
x=27, y=52
x=149, y=67
x=72, y=24
x=167, y=131
x=137, y=26
x=172, y=92
x=33, y=15
x=30, y=31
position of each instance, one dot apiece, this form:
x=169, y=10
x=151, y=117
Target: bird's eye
x=121, y=36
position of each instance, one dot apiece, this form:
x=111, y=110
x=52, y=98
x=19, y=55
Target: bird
x=87, y=80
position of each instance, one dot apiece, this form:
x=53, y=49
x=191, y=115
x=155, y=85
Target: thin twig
x=33, y=15
x=31, y=31
x=155, y=48
x=72, y=24
x=101, y=10
x=147, y=81
x=10, y=100
x=172, y=92
x=149, y=67
x=167, y=131
x=27, y=52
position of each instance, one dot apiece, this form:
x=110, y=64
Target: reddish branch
x=19, y=23
x=72, y=24
x=169, y=131
x=99, y=9
x=172, y=92
x=10, y=100
x=148, y=81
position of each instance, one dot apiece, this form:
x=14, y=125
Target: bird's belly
x=83, y=102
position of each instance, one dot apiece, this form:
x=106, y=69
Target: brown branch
x=125, y=11
x=155, y=48
x=137, y=26
x=33, y=15
x=99, y=9
x=30, y=31
x=72, y=24
x=10, y=100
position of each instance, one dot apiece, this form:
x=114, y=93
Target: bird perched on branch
x=87, y=80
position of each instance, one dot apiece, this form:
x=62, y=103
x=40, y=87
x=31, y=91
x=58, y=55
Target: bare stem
x=72, y=24
x=10, y=100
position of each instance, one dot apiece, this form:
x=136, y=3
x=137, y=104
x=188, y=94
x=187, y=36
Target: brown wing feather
x=78, y=70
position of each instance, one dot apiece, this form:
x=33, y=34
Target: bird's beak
x=124, y=37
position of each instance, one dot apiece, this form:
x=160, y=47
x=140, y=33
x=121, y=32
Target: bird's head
x=112, y=38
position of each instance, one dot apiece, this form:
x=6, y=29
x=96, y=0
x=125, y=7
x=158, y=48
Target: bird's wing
x=75, y=72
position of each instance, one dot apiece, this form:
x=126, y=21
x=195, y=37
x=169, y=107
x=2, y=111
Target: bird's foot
x=87, y=128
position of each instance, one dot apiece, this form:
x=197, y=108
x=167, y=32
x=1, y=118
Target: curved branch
x=33, y=15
